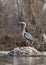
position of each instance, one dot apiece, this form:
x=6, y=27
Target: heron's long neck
x=24, y=29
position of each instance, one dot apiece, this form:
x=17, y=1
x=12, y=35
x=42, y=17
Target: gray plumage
x=26, y=34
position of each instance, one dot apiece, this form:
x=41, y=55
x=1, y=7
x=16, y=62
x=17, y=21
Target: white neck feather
x=23, y=30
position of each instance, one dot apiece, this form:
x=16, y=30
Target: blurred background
x=29, y=11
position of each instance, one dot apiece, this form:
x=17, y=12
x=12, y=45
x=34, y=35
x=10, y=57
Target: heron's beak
x=20, y=22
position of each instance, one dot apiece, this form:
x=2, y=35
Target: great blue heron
x=26, y=34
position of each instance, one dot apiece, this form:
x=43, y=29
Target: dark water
x=6, y=60
x=22, y=60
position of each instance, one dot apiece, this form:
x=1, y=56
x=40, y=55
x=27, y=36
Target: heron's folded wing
x=28, y=36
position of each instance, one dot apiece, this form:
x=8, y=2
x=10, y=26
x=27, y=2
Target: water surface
x=22, y=60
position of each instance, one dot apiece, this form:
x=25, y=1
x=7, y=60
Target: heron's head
x=22, y=23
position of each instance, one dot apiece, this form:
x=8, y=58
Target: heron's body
x=26, y=34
